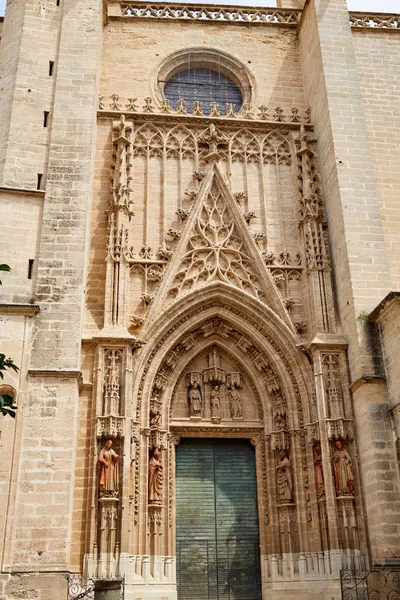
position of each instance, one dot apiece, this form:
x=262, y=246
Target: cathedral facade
x=200, y=207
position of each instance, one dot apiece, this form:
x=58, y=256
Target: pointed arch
x=180, y=141
x=261, y=340
x=276, y=148
x=148, y=141
x=244, y=146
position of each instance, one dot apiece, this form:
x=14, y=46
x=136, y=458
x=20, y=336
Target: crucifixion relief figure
x=108, y=471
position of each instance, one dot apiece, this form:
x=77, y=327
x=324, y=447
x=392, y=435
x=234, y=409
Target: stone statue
x=195, y=400
x=284, y=477
x=108, y=471
x=318, y=473
x=235, y=403
x=156, y=478
x=215, y=403
x=344, y=478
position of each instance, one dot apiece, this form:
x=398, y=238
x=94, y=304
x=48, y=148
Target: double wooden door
x=218, y=555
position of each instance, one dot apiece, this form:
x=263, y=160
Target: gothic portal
x=200, y=209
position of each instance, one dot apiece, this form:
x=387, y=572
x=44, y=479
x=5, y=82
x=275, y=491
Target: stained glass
x=205, y=86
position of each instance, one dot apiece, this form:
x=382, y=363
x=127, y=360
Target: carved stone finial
x=248, y=216
x=246, y=111
x=174, y=233
x=131, y=106
x=181, y=107
x=214, y=139
x=115, y=102
x=214, y=112
x=230, y=111
x=166, y=106
x=148, y=106
x=183, y=214
x=279, y=114
x=263, y=114
x=164, y=252
x=197, y=109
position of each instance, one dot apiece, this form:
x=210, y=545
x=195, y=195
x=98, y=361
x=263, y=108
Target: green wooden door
x=217, y=541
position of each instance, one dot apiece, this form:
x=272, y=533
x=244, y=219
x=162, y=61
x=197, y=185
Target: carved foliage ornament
x=215, y=251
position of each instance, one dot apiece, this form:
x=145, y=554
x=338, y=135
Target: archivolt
x=267, y=344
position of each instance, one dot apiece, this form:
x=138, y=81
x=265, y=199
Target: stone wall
x=377, y=54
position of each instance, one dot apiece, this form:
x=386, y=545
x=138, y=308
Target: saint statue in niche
x=215, y=403
x=195, y=400
x=156, y=478
x=344, y=478
x=108, y=471
x=235, y=403
x=319, y=476
x=284, y=477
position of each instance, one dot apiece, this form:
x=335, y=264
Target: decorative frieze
x=375, y=21
x=205, y=13
x=291, y=117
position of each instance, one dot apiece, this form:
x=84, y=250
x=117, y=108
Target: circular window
x=204, y=75
x=205, y=86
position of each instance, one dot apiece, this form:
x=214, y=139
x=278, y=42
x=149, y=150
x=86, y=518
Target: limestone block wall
x=377, y=54
x=361, y=266
x=15, y=334
x=356, y=235
x=20, y=218
x=270, y=54
x=28, y=89
x=39, y=522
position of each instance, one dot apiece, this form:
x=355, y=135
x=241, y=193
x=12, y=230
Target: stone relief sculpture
x=235, y=403
x=215, y=403
x=108, y=471
x=195, y=400
x=319, y=476
x=344, y=478
x=284, y=478
x=156, y=478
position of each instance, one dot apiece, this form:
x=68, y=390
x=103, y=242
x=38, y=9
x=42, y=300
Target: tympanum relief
x=211, y=389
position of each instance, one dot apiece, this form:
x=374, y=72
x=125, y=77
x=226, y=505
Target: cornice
x=69, y=373
x=204, y=13
x=19, y=191
x=25, y=310
x=188, y=120
x=366, y=379
x=384, y=306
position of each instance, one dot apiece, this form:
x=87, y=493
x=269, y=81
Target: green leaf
x=7, y=406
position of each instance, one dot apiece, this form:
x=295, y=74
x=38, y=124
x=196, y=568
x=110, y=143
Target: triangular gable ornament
x=216, y=246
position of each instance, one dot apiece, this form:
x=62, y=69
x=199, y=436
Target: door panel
x=217, y=522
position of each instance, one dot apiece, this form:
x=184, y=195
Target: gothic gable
x=216, y=246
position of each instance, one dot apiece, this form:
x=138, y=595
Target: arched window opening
x=203, y=85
